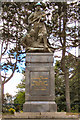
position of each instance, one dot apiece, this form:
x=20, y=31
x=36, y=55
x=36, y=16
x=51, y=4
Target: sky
x=10, y=86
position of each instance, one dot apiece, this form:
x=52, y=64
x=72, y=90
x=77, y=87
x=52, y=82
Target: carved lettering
x=40, y=83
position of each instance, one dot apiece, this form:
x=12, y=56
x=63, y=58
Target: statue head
x=38, y=6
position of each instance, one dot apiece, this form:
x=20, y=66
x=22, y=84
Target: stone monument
x=40, y=81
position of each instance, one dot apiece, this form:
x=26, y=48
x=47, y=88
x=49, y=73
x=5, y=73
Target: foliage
x=20, y=96
x=7, y=98
x=74, y=83
x=8, y=103
x=75, y=87
x=59, y=87
x=21, y=85
x=19, y=100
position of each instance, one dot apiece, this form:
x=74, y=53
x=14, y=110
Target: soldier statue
x=37, y=36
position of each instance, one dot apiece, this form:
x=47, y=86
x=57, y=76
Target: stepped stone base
x=41, y=116
x=40, y=106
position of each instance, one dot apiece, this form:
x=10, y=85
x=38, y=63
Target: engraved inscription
x=39, y=84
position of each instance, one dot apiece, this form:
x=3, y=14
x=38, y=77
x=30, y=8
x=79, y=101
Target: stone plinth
x=40, y=83
x=41, y=116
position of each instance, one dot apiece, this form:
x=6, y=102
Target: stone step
x=10, y=118
x=40, y=119
x=41, y=116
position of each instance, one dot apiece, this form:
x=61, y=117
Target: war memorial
x=40, y=92
x=40, y=81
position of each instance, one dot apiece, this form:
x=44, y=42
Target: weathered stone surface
x=39, y=59
x=40, y=106
x=41, y=116
x=40, y=83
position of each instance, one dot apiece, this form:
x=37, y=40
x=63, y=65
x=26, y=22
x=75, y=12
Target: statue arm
x=43, y=17
x=30, y=18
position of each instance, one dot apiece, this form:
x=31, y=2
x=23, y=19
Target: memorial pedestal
x=40, y=83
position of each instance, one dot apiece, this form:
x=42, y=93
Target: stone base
x=40, y=83
x=36, y=106
x=41, y=116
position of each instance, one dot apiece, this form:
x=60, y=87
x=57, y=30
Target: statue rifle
x=37, y=18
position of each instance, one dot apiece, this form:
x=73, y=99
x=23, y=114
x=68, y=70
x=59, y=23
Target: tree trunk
x=78, y=84
x=2, y=93
x=64, y=69
x=67, y=91
x=66, y=78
